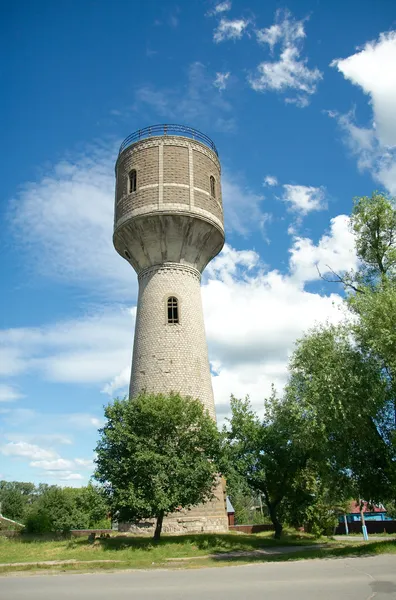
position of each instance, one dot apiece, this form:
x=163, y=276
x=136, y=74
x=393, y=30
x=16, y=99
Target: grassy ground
x=135, y=552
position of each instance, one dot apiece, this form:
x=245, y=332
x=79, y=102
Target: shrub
x=39, y=521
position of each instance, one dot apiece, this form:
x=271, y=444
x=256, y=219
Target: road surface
x=371, y=578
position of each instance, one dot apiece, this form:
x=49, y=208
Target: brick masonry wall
x=170, y=170
x=171, y=357
x=176, y=195
x=206, y=202
x=176, y=165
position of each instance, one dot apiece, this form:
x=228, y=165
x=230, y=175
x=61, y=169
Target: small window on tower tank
x=132, y=181
x=173, y=310
x=212, y=186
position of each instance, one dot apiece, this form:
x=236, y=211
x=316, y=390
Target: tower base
x=210, y=517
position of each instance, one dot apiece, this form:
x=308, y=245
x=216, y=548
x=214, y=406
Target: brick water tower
x=169, y=225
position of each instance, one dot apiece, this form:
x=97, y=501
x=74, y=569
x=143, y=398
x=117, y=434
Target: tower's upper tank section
x=168, y=205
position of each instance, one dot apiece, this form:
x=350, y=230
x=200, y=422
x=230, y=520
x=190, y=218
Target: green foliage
x=346, y=396
x=343, y=378
x=156, y=453
x=50, y=508
x=91, y=501
x=14, y=498
x=374, y=224
x=39, y=521
x=57, y=510
x=391, y=509
x=271, y=454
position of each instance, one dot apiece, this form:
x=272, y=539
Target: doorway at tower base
x=210, y=517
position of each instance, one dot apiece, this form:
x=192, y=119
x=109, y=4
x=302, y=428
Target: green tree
x=156, y=453
x=374, y=300
x=57, y=510
x=271, y=454
x=15, y=497
x=92, y=501
x=346, y=395
x=374, y=224
x=371, y=297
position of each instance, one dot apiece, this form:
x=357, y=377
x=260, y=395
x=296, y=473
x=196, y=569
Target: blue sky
x=299, y=99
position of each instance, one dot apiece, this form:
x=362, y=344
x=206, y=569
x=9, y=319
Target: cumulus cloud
x=62, y=464
x=372, y=68
x=335, y=249
x=290, y=70
x=253, y=318
x=66, y=218
x=229, y=29
x=48, y=462
x=304, y=199
x=270, y=180
x=84, y=350
x=253, y=315
x=219, y=8
x=58, y=464
x=221, y=80
x=286, y=31
x=24, y=449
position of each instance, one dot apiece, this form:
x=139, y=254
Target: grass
x=141, y=552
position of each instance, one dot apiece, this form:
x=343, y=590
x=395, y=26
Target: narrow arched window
x=132, y=181
x=212, y=186
x=173, y=310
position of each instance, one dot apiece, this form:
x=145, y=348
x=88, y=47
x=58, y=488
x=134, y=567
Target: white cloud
x=304, y=199
x=290, y=70
x=221, y=80
x=119, y=382
x=286, y=31
x=58, y=464
x=84, y=462
x=23, y=449
x=219, y=8
x=270, y=180
x=72, y=477
x=84, y=420
x=254, y=316
x=372, y=68
x=46, y=438
x=9, y=393
x=335, y=249
x=66, y=219
x=85, y=350
x=229, y=30
x=63, y=464
x=300, y=101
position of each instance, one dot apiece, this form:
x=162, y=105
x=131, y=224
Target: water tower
x=168, y=226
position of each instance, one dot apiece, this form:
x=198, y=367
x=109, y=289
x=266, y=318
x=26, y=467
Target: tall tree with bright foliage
x=157, y=453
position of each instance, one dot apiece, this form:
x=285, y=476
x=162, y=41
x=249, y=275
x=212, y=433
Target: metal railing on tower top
x=162, y=130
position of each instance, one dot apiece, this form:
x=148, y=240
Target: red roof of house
x=354, y=508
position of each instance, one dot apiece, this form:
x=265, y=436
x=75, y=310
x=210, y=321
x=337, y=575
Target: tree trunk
x=275, y=521
x=158, y=527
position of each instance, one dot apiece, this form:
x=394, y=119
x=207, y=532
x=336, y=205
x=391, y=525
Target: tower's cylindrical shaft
x=170, y=350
